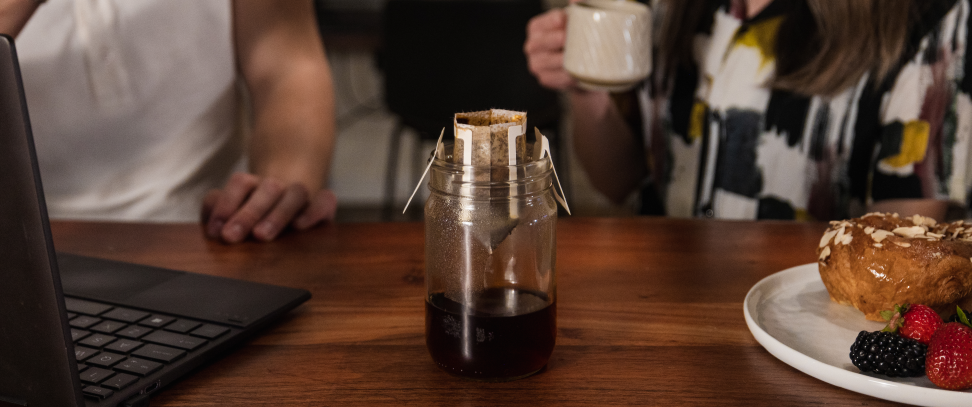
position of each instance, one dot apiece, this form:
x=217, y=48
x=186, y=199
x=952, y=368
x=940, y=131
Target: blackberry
x=889, y=354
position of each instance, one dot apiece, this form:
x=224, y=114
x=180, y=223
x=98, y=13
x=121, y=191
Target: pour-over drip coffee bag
x=489, y=135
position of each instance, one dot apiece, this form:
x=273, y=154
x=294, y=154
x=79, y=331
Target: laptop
x=77, y=330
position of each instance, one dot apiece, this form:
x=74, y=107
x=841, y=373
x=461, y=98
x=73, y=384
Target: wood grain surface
x=649, y=312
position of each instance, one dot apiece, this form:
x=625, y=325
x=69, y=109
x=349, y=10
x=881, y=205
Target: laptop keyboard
x=116, y=347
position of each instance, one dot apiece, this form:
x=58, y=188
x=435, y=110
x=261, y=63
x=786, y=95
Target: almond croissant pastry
x=879, y=260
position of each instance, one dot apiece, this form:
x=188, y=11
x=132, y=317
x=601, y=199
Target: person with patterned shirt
x=797, y=109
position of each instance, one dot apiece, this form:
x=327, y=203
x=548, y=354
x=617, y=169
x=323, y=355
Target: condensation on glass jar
x=490, y=249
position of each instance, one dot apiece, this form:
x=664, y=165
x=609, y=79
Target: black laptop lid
x=37, y=366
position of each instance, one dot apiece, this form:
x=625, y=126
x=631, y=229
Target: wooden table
x=649, y=312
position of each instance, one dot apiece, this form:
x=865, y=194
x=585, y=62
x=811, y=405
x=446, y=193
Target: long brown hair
x=823, y=46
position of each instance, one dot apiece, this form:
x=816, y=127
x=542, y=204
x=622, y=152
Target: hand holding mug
x=608, y=44
x=592, y=44
x=544, y=49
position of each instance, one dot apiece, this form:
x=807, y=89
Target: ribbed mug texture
x=608, y=43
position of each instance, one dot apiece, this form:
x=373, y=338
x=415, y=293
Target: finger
x=557, y=80
x=263, y=198
x=209, y=202
x=546, y=41
x=293, y=200
x=539, y=29
x=555, y=19
x=543, y=63
x=322, y=207
x=228, y=201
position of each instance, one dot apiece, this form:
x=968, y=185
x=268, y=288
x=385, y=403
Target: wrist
x=594, y=103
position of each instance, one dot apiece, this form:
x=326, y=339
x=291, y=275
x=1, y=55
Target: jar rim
x=444, y=162
x=496, y=182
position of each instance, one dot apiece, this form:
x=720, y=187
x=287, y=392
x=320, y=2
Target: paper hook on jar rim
x=431, y=159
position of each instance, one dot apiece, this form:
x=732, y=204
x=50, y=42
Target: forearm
x=294, y=131
x=283, y=63
x=14, y=15
x=605, y=145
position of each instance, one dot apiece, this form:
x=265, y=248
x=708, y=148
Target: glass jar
x=490, y=248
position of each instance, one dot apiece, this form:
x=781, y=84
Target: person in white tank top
x=139, y=111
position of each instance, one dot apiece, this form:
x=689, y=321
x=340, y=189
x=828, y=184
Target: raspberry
x=888, y=354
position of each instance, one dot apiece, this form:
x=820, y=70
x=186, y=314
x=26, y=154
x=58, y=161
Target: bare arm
x=606, y=146
x=603, y=142
x=282, y=60
x=14, y=15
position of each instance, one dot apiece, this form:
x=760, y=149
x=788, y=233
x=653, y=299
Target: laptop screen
x=37, y=364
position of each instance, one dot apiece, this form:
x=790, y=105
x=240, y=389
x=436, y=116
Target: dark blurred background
x=402, y=68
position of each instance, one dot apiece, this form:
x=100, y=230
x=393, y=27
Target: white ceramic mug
x=608, y=44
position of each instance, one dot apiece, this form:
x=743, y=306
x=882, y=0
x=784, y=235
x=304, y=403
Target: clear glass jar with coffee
x=490, y=251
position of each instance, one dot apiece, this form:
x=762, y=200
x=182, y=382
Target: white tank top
x=134, y=105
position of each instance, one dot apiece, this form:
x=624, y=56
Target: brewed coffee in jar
x=490, y=227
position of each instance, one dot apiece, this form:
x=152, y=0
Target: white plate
x=791, y=315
